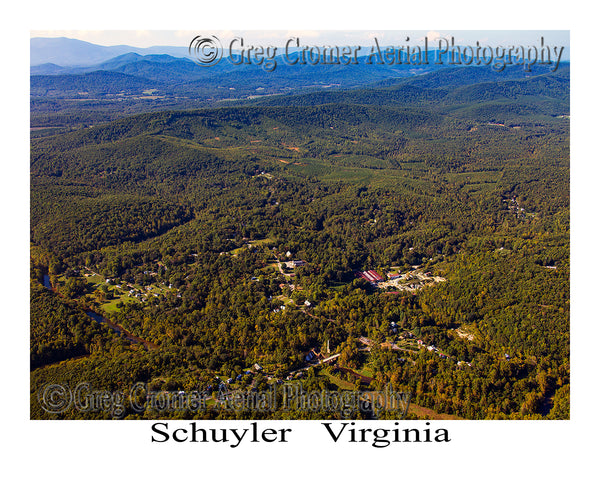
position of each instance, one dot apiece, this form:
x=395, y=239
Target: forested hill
x=245, y=123
x=547, y=93
x=507, y=101
x=458, y=76
x=97, y=83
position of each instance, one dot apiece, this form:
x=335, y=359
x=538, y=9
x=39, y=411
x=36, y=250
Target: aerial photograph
x=279, y=225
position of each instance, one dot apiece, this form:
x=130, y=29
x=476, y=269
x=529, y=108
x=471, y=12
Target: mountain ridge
x=70, y=52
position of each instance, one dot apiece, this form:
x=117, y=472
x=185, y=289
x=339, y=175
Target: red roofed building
x=371, y=276
x=376, y=276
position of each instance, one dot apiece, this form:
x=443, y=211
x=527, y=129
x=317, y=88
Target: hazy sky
x=147, y=38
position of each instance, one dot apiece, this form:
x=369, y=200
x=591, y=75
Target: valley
x=412, y=234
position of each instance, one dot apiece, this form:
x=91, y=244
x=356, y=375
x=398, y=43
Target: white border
x=479, y=449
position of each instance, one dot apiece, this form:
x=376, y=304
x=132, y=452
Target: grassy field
x=111, y=305
x=253, y=243
x=366, y=371
x=342, y=384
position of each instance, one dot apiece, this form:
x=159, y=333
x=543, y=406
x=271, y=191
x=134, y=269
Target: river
x=101, y=319
x=118, y=329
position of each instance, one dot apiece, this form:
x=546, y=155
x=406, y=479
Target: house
x=257, y=367
x=307, y=303
x=294, y=263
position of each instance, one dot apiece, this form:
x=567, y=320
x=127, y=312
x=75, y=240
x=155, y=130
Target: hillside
x=63, y=99
x=240, y=235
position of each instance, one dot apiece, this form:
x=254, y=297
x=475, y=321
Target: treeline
x=59, y=331
x=68, y=224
